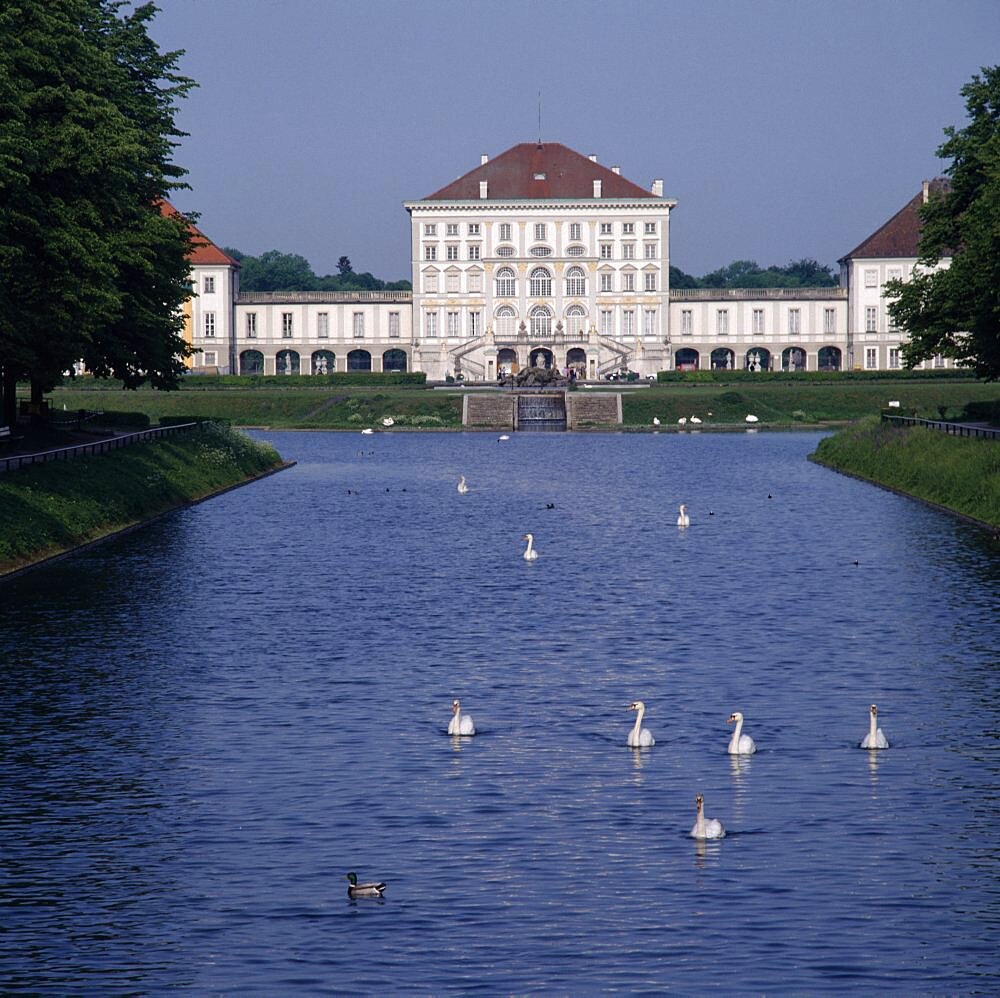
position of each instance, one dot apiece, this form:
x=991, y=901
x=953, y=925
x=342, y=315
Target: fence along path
x=15, y=461
x=955, y=429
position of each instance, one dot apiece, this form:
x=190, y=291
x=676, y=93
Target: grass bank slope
x=46, y=509
x=959, y=473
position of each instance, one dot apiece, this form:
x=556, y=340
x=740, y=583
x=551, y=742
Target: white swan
x=695, y=419
x=706, y=828
x=365, y=432
x=682, y=421
x=503, y=436
x=752, y=419
x=874, y=739
x=740, y=744
x=462, y=487
x=656, y=421
x=530, y=554
x=460, y=724
x=683, y=520
x=388, y=421
x=639, y=737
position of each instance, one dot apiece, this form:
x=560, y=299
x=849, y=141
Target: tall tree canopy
x=277, y=271
x=89, y=266
x=956, y=311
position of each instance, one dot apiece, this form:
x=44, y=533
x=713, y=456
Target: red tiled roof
x=203, y=251
x=540, y=170
x=900, y=235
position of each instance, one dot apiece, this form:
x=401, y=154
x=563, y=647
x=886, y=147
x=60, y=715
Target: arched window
x=359, y=360
x=323, y=362
x=576, y=320
x=540, y=283
x=394, y=360
x=541, y=322
x=576, y=282
x=506, y=283
x=251, y=362
x=286, y=362
x=506, y=322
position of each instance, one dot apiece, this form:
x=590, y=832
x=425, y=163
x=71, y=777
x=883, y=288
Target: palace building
x=542, y=256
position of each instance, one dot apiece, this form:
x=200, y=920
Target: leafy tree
x=344, y=266
x=89, y=266
x=956, y=311
x=678, y=279
x=277, y=271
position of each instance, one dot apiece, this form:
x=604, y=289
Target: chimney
x=483, y=184
x=597, y=188
x=483, y=159
x=657, y=189
x=616, y=170
x=926, y=185
x=592, y=157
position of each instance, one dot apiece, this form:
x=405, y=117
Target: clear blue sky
x=784, y=128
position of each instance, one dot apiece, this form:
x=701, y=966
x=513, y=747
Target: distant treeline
x=277, y=271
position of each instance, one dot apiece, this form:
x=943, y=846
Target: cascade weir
x=541, y=410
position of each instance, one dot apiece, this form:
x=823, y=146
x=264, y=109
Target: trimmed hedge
x=725, y=377
x=195, y=381
x=979, y=412
x=177, y=420
x=123, y=420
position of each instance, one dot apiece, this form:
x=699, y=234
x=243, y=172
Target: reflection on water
x=208, y=722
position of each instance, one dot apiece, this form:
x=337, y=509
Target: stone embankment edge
x=982, y=524
x=138, y=524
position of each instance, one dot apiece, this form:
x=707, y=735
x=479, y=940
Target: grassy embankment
x=960, y=473
x=46, y=509
x=775, y=403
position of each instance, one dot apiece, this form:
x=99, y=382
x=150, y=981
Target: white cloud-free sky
x=784, y=128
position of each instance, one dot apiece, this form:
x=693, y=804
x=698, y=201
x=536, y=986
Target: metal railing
x=955, y=429
x=15, y=461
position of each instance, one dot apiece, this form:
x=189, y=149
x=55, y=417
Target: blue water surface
x=205, y=724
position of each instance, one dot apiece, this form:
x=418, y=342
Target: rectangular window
x=211, y=358
x=475, y=282
x=894, y=358
x=628, y=322
x=251, y=325
x=628, y=228
x=871, y=319
x=359, y=325
x=431, y=282
x=687, y=322
x=794, y=322
x=605, y=251
x=871, y=278
x=722, y=321
x=505, y=232
x=575, y=231
x=649, y=251
x=430, y=252
x=475, y=323
x=829, y=320
x=451, y=282
x=452, y=323
x=286, y=325
x=539, y=230
x=894, y=274
x=628, y=251
x=393, y=325
x=430, y=230
x=650, y=228
x=605, y=228
x=607, y=281
x=649, y=322
x=628, y=282
x=871, y=358
x=473, y=228
x=451, y=229
x=938, y=360
x=891, y=324
x=451, y=252
x=607, y=322
x=322, y=325
x=758, y=322
x=649, y=281
x=209, y=319
x=474, y=252
x=431, y=324
x=209, y=285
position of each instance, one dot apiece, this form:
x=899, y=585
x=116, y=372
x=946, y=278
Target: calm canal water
x=207, y=723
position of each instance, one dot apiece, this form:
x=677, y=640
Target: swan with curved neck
x=462, y=487
x=740, y=744
x=874, y=739
x=460, y=724
x=530, y=554
x=706, y=828
x=683, y=520
x=639, y=737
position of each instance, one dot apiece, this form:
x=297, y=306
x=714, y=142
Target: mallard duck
x=356, y=890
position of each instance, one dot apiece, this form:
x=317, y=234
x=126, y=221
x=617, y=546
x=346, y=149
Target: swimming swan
x=462, y=487
x=530, y=554
x=460, y=724
x=706, y=828
x=639, y=737
x=683, y=520
x=740, y=744
x=874, y=739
